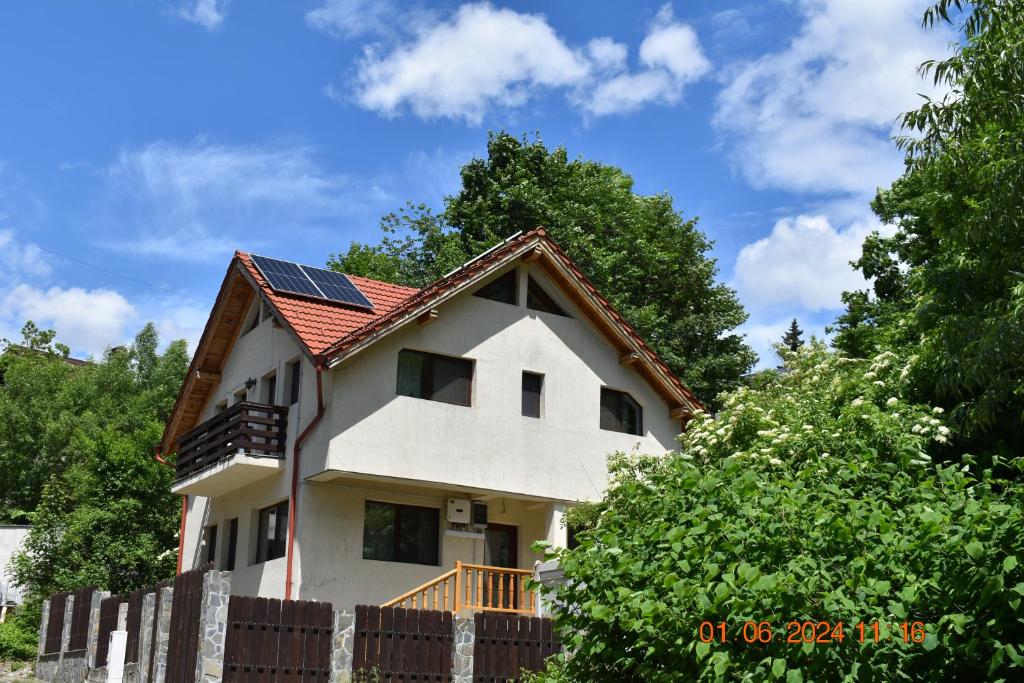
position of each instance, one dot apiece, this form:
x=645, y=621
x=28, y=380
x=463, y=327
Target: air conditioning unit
x=479, y=514
x=458, y=510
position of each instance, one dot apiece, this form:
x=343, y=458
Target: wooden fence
x=506, y=646
x=272, y=641
x=109, y=608
x=79, y=635
x=183, y=639
x=396, y=644
x=55, y=623
x=134, y=623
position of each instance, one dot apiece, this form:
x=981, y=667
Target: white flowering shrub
x=821, y=405
x=810, y=498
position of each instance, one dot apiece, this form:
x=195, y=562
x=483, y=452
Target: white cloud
x=485, y=57
x=200, y=201
x=86, y=320
x=673, y=58
x=209, y=14
x=817, y=115
x=481, y=57
x=355, y=18
x=804, y=264
x=20, y=258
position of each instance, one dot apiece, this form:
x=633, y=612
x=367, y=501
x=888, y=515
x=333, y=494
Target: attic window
x=539, y=300
x=621, y=413
x=503, y=289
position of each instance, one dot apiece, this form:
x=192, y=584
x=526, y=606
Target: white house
x=349, y=449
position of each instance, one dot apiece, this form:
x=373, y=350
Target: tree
x=809, y=498
x=949, y=285
x=640, y=252
x=99, y=504
x=791, y=339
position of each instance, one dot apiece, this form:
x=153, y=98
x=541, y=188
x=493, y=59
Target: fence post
x=145, y=637
x=462, y=655
x=94, y=628
x=65, y=636
x=163, y=634
x=116, y=653
x=42, y=629
x=213, y=626
x=122, y=617
x=342, y=646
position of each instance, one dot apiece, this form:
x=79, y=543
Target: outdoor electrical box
x=458, y=511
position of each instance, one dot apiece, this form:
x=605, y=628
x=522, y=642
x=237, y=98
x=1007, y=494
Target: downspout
x=318, y=363
x=184, y=513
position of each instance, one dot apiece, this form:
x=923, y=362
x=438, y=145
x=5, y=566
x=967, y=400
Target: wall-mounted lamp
x=250, y=383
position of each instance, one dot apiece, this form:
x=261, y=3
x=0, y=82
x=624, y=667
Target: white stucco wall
x=330, y=545
x=490, y=445
x=11, y=538
x=256, y=354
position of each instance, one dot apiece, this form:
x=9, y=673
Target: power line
x=110, y=272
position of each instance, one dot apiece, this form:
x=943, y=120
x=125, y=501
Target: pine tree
x=792, y=337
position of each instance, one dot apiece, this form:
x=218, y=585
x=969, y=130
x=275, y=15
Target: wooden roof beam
x=425, y=319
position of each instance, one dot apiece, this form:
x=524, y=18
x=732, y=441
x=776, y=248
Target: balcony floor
x=227, y=475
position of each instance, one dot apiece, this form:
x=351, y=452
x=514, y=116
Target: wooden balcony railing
x=253, y=428
x=473, y=587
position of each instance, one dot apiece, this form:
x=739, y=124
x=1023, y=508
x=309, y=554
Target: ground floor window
x=272, y=532
x=401, y=533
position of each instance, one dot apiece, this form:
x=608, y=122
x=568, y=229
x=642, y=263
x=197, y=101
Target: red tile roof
x=319, y=324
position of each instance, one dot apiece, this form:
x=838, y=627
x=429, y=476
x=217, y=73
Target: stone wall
x=213, y=620
x=462, y=653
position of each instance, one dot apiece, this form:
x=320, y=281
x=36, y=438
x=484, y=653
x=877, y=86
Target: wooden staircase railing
x=474, y=588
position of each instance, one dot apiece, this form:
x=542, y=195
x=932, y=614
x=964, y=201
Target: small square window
x=210, y=540
x=533, y=385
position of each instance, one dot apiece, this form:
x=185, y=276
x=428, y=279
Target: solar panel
x=337, y=286
x=285, y=276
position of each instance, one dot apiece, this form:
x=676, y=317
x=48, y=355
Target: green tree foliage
x=792, y=338
x=76, y=444
x=950, y=283
x=811, y=497
x=639, y=251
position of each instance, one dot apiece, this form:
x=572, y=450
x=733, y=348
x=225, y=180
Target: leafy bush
x=18, y=641
x=809, y=498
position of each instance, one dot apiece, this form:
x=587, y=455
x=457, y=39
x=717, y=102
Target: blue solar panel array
x=285, y=276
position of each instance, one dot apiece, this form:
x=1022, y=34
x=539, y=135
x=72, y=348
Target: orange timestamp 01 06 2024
x=818, y=632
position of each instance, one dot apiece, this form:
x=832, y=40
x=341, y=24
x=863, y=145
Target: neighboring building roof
x=330, y=332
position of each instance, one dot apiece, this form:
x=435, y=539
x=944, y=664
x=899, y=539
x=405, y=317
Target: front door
x=501, y=548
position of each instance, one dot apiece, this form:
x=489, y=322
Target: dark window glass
x=437, y=378
x=539, y=300
x=620, y=412
x=503, y=289
x=532, y=385
x=293, y=378
x=272, y=532
x=570, y=541
x=270, y=390
x=211, y=543
x=401, y=533
x=229, y=559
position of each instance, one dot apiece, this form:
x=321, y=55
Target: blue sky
x=144, y=141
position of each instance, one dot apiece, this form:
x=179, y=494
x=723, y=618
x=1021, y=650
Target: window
x=433, y=377
x=270, y=390
x=228, y=560
x=539, y=300
x=620, y=412
x=504, y=289
x=401, y=533
x=254, y=321
x=272, y=531
x=532, y=386
x=293, y=376
x=210, y=540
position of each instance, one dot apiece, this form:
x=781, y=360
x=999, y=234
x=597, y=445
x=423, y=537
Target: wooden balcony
x=244, y=443
x=473, y=588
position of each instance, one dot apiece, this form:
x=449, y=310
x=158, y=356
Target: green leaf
x=1009, y=563
x=974, y=549
x=778, y=667
x=794, y=676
